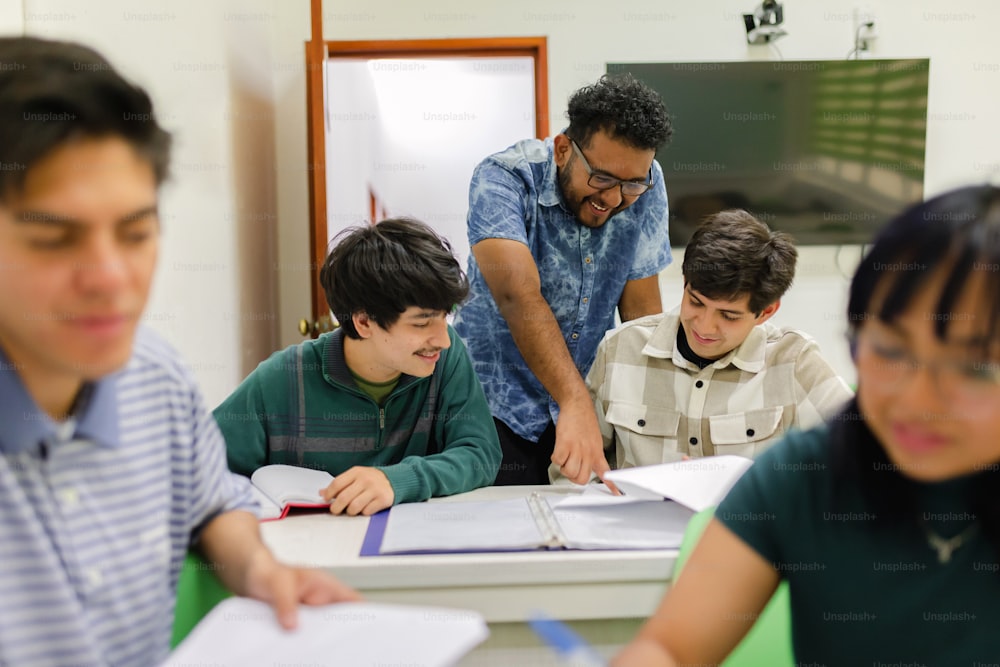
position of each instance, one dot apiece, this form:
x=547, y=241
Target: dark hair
x=385, y=268
x=732, y=253
x=625, y=108
x=957, y=233
x=53, y=93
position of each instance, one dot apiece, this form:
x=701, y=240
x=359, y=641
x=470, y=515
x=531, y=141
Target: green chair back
x=198, y=591
x=769, y=641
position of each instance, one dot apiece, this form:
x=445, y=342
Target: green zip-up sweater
x=432, y=436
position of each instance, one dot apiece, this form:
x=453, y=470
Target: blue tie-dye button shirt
x=515, y=195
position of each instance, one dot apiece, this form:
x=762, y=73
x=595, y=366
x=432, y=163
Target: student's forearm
x=644, y=652
x=459, y=468
x=640, y=297
x=540, y=341
x=232, y=541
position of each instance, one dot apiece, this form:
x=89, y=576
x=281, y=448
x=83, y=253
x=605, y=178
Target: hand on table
x=360, y=490
x=284, y=587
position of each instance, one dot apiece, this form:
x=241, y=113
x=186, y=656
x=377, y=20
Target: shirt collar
x=26, y=425
x=549, y=193
x=749, y=356
x=334, y=364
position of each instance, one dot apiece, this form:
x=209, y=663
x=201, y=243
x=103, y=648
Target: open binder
x=659, y=503
x=535, y=522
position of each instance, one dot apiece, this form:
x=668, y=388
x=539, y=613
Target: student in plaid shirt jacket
x=714, y=376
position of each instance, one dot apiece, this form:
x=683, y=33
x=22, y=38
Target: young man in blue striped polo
x=111, y=467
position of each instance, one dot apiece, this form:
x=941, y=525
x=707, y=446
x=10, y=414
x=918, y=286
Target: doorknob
x=324, y=324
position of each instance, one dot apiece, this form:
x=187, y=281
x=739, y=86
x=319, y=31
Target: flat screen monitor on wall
x=825, y=150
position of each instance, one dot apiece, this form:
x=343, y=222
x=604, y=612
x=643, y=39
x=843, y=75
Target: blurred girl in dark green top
x=885, y=521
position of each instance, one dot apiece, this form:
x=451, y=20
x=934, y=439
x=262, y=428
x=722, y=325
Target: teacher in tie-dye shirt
x=563, y=231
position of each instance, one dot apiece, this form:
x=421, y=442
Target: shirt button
x=69, y=497
x=750, y=432
x=641, y=422
x=693, y=441
x=585, y=299
x=94, y=577
x=699, y=384
x=587, y=260
x=575, y=336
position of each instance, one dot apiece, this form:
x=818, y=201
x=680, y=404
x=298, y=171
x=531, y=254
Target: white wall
x=229, y=79
x=208, y=68
x=12, y=17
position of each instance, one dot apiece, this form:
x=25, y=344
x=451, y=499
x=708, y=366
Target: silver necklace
x=945, y=547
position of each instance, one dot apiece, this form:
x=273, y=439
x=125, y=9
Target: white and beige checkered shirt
x=655, y=406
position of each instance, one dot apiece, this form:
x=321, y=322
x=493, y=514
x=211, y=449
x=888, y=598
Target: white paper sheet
x=598, y=522
x=240, y=632
x=600, y=498
x=697, y=483
x=624, y=524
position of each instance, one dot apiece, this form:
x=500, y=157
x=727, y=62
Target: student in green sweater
x=388, y=403
x=886, y=521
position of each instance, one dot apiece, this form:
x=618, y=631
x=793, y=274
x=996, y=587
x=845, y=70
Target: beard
x=577, y=204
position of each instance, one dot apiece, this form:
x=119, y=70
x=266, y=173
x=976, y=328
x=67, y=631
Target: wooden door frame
x=317, y=52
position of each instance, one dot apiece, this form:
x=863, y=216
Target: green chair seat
x=769, y=641
x=198, y=591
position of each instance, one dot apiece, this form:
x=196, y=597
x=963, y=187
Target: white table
x=605, y=594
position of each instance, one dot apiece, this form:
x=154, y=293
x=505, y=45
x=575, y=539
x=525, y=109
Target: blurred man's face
x=78, y=247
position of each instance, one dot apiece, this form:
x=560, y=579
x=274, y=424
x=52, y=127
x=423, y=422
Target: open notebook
x=593, y=520
x=280, y=488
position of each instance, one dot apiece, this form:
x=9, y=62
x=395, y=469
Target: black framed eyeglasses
x=601, y=181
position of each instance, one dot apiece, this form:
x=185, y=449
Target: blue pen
x=571, y=648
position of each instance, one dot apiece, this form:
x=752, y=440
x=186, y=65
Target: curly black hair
x=624, y=107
